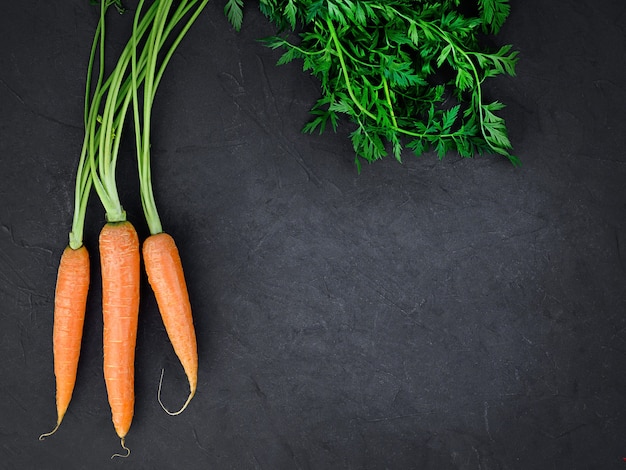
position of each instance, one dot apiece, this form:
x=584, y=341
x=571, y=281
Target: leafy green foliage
x=234, y=12
x=493, y=13
x=403, y=72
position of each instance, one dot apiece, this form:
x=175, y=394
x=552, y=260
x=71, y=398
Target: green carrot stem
x=104, y=140
x=153, y=46
x=84, y=176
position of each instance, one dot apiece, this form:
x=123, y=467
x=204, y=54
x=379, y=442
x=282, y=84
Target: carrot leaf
x=402, y=73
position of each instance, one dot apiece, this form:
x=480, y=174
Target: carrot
x=105, y=111
x=165, y=275
x=161, y=258
x=73, y=274
x=119, y=255
x=69, y=316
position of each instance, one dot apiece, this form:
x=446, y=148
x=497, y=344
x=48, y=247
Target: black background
x=455, y=314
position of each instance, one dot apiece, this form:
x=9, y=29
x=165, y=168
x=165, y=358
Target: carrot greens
x=112, y=100
x=161, y=29
x=84, y=179
x=403, y=72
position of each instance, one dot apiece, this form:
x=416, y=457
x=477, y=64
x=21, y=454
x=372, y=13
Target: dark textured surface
x=459, y=314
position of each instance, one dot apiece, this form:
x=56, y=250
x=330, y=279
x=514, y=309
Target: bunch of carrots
x=157, y=31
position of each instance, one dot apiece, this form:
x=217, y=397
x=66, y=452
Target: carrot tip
x=172, y=413
x=48, y=434
x=123, y=444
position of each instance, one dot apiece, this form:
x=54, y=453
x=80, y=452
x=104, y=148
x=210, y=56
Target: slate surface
x=455, y=314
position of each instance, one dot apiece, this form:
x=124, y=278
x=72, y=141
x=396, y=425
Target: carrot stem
x=84, y=178
x=105, y=130
x=152, y=48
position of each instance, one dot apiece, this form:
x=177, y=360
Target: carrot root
x=166, y=277
x=48, y=434
x=173, y=413
x=70, y=301
x=120, y=261
x=123, y=444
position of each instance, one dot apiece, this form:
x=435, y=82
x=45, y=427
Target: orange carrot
x=166, y=277
x=120, y=264
x=69, y=316
x=161, y=259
